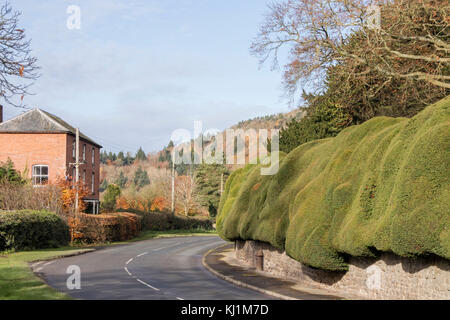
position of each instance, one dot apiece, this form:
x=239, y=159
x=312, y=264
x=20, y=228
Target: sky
x=136, y=70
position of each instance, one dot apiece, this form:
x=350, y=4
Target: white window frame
x=93, y=183
x=40, y=175
x=84, y=152
x=93, y=156
x=73, y=149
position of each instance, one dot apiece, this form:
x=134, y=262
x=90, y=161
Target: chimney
x=1, y=113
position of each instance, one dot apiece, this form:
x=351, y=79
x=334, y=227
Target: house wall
x=54, y=150
x=26, y=150
x=88, y=166
x=386, y=277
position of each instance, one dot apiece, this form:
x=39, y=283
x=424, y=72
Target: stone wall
x=388, y=277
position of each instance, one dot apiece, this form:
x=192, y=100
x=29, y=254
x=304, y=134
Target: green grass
x=17, y=281
x=380, y=186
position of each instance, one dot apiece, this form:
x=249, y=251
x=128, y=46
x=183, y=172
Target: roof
x=40, y=121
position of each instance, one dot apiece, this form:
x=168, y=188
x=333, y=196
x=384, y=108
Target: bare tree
x=411, y=40
x=18, y=68
x=185, y=193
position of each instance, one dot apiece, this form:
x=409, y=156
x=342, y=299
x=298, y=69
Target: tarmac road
x=159, y=269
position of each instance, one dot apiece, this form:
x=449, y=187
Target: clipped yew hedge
x=380, y=186
x=28, y=229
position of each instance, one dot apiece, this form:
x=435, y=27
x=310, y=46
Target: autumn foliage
x=68, y=194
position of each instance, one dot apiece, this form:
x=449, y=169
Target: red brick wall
x=89, y=167
x=54, y=150
x=26, y=150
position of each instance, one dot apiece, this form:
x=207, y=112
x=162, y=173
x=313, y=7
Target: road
x=159, y=269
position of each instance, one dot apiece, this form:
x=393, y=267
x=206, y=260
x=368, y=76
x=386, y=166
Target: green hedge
x=25, y=230
x=156, y=221
x=380, y=186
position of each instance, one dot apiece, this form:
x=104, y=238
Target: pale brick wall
x=389, y=277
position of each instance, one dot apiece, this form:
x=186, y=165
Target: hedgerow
x=380, y=186
x=28, y=229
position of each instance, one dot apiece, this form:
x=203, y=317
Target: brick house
x=42, y=146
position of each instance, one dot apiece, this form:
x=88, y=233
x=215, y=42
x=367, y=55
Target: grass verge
x=17, y=281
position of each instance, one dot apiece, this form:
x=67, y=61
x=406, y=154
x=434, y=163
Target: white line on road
x=129, y=261
x=180, y=298
x=129, y=273
x=142, y=254
x=146, y=284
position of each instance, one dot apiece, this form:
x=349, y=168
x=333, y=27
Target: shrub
x=156, y=221
x=27, y=229
x=110, y=198
x=105, y=227
x=324, y=119
x=381, y=185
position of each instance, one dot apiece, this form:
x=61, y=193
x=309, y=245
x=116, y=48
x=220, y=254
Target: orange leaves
x=159, y=204
x=68, y=194
x=21, y=69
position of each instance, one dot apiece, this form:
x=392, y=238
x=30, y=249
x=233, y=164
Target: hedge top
x=380, y=186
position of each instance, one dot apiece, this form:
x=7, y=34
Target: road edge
x=237, y=282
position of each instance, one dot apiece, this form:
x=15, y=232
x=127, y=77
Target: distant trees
x=17, y=63
x=208, y=180
x=121, y=181
x=141, y=178
x=119, y=159
x=140, y=155
x=103, y=185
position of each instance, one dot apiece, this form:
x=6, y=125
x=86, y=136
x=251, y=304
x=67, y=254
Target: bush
x=156, y=221
x=324, y=119
x=27, y=229
x=110, y=198
x=105, y=227
x=382, y=185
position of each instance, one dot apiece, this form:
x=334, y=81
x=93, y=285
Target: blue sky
x=139, y=69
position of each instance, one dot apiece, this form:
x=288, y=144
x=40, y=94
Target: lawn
x=17, y=281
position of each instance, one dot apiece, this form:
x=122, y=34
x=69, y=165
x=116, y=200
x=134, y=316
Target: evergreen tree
x=140, y=178
x=8, y=173
x=104, y=185
x=129, y=160
x=140, y=155
x=208, y=181
x=121, y=181
x=110, y=198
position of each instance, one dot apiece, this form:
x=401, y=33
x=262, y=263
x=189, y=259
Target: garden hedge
x=27, y=229
x=382, y=186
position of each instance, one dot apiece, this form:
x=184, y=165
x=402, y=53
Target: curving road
x=168, y=269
